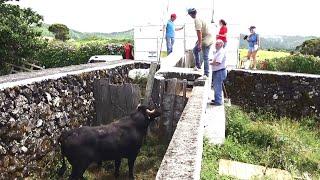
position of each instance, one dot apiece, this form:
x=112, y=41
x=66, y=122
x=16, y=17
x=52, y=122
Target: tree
x=60, y=31
x=310, y=47
x=19, y=38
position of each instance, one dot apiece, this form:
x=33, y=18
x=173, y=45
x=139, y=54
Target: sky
x=271, y=17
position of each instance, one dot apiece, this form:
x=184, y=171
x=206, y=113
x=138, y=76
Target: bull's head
x=151, y=114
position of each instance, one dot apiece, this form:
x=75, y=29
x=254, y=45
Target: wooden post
x=152, y=71
x=172, y=87
x=184, y=89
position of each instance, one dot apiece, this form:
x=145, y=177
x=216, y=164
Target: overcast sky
x=271, y=17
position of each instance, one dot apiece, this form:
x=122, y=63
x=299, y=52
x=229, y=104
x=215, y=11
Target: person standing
x=170, y=33
x=223, y=32
x=254, y=44
x=219, y=72
x=204, y=42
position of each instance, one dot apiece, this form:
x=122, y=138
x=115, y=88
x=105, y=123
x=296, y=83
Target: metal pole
x=184, y=38
x=212, y=19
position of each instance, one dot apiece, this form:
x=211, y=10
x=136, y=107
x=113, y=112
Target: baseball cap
x=173, y=15
x=252, y=27
x=192, y=11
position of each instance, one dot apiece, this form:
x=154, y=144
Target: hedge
x=59, y=54
x=295, y=63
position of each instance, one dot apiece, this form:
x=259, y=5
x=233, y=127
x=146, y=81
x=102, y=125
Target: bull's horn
x=151, y=112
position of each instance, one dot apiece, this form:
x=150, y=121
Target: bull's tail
x=63, y=167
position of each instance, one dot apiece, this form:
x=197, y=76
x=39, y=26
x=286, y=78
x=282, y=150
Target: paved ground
x=214, y=122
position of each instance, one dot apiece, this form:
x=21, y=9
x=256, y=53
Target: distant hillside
x=278, y=42
x=84, y=35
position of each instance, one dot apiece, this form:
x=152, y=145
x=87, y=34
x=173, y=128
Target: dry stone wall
x=32, y=117
x=287, y=94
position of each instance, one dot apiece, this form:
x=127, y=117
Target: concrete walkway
x=215, y=120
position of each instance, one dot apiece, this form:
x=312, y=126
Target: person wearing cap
x=254, y=44
x=205, y=40
x=219, y=72
x=170, y=33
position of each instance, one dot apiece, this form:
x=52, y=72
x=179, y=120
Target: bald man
x=219, y=72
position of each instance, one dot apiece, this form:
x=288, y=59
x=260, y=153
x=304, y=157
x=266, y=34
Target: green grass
x=263, y=139
x=262, y=54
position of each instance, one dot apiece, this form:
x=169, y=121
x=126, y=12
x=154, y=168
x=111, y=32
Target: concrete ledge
x=278, y=73
x=184, y=154
x=55, y=73
x=172, y=60
x=178, y=72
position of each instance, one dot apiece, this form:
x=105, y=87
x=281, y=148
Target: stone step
x=249, y=171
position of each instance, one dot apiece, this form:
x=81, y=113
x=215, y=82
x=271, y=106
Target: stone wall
x=33, y=115
x=287, y=94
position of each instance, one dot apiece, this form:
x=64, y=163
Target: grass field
x=262, y=54
x=263, y=139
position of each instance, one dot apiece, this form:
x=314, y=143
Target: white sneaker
x=204, y=77
x=195, y=68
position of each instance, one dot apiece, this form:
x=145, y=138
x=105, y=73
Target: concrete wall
x=33, y=112
x=183, y=157
x=287, y=94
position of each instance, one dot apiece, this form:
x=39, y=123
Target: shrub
x=310, y=47
x=295, y=63
x=59, y=54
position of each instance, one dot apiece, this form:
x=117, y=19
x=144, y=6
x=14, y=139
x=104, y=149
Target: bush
x=310, y=47
x=295, y=63
x=262, y=139
x=59, y=54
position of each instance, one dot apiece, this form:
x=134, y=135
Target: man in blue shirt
x=170, y=32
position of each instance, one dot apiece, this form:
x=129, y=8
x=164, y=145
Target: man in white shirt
x=219, y=72
x=205, y=40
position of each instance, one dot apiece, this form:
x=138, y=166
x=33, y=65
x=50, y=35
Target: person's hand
x=199, y=47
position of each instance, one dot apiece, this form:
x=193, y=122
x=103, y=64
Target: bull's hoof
x=116, y=174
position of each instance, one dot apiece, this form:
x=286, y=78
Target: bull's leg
x=131, y=161
x=77, y=171
x=117, y=164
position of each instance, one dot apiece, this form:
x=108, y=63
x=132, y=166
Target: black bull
x=120, y=139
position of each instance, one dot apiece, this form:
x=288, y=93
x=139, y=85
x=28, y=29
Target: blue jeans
x=205, y=54
x=217, y=79
x=170, y=42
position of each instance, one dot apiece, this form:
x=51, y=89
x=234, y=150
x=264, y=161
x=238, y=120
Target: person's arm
x=199, y=35
x=198, y=27
x=178, y=29
x=218, y=58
